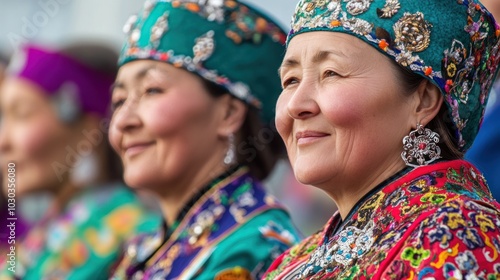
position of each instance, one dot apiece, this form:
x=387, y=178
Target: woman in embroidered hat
x=52, y=140
x=193, y=100
x=380, y=100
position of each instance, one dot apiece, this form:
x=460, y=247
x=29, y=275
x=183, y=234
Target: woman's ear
x=234, y=114
x=429, y=100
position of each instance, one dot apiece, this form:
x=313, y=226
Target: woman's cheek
x=35, y=140
x=342, y=110
x=284, y=122
x=161, y=120
x=114, y=137
x=170, y=114
x=284, y=125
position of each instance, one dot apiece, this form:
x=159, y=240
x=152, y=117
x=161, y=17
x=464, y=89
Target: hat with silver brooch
x=224, y=41
x=452, y=43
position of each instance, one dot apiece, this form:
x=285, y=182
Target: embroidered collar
x=337, y=245
x=195, y=198
x=166, y=231
x=230, y=202
x=345, y=242
x=338, y=224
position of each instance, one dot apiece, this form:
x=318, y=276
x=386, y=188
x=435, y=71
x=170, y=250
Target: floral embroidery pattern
x=456, y=235
x=415, y=256
x=229, y=204
x=442, y=235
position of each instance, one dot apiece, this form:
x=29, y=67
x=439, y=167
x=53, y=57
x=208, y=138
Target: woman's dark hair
x=448, y=142
x=96, y=56
x=258, y=146
x=102, y=59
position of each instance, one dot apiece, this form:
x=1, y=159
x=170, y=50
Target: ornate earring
x=420, y=147
x=230, y=157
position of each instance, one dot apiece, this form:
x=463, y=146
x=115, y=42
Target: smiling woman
x=380, y=100
x=192, y=101
x=53, y=103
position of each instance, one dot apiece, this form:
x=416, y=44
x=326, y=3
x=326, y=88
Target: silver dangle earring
x=230, y=158
x=421, y=147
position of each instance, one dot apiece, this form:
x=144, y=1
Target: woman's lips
x=306, y=137
x=136, y=148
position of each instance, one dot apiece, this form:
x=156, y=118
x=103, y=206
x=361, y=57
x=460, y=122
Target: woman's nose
x=302, y=104
x=126, y=117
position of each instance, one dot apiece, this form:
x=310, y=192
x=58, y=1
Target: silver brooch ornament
x=358, y=26
x=390, y=8
x=158, y=30
x=356, y=7
x=413, y=32
x=204, y=47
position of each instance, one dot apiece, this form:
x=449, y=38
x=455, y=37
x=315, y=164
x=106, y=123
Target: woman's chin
x=308, y=177
x=147, y=181
x=137, y=180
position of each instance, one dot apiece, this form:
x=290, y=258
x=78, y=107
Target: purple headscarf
x=64, y=78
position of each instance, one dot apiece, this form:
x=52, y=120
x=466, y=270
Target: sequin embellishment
x=158, y=29
x=204, y=47
x=390, y=8
x=413, y=32
x=356, y=7
x=349, y=244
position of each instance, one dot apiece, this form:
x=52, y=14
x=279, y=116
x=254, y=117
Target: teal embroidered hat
x=224, y=41
x=452, y=43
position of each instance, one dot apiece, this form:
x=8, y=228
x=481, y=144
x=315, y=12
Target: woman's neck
x=347, y=195
x=172, y=202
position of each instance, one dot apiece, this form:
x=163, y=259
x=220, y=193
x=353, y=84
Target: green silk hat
x=223, y=41
x=452, y=43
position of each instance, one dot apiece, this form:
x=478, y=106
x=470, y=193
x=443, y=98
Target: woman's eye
x=329, y=73
x=154, y=90
x=289, y=81
x=117, y=104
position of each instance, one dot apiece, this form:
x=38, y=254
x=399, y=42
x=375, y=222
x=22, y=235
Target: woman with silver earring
x=380, y=101
x=55, y=110
x=193, y=100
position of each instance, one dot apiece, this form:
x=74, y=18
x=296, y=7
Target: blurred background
x=60, y=22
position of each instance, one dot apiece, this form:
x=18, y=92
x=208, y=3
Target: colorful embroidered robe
x=233, y=231
x=435, y=222
x=84, y=240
